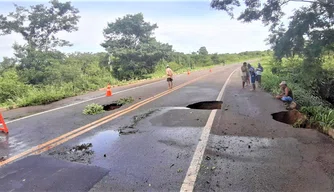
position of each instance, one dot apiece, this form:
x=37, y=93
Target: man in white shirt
x=259, y=71
x=169, y=73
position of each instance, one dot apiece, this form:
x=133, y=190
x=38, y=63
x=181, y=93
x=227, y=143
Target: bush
x=302, y=95
x=124, y=101
x=93, y=109
x=10, y=87
x=322, y=115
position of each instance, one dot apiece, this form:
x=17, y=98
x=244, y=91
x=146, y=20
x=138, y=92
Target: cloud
x=218, y=35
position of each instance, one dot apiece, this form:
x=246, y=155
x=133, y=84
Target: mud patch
x=111, y=106
x=292, y=117
x=80, y=153
x=206, y=105
x=130, y=129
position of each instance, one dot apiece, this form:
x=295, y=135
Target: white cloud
x=218, y=35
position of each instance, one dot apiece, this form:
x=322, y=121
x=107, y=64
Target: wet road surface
x=150, y=148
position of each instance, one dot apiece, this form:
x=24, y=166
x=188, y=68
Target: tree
x=134, y=50
x=215, y=58
x=309, y=32
x=203, y=51
x=6, y=64
x=40, y=24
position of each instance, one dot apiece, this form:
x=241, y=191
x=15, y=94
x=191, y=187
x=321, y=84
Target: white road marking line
x=70, y=105
x=190, y=179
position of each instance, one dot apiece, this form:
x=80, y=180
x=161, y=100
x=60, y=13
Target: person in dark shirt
x=252, y=75
x=286, y=94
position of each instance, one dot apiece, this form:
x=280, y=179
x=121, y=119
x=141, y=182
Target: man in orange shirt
x=169, y=73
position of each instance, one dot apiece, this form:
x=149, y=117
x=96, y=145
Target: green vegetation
x=123, y=101
x=320, y=116
x=318, y=110
x=93, y=109
x=303, y=93
x=303, y=52
x=40, y=74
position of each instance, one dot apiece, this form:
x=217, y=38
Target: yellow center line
x=81, y=130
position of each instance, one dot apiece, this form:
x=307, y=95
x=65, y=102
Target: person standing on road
x=169, y=73
x=252, y=75
x=244, y=73
x=259, y=71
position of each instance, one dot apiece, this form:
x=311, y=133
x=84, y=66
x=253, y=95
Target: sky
x=187, y=25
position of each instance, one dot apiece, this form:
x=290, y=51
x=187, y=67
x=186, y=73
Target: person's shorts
x=258, y=78
x=244, y=78
x=252, y=79
x=169, y=79
x=286, y=99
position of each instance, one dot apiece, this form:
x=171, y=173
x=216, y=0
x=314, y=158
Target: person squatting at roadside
x=286, y=93
x=286, y=96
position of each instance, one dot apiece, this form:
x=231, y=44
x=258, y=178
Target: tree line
x=39, y=73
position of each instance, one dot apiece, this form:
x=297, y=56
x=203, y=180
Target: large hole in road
x=292, y=117
x=208, y=105
x=111, y=106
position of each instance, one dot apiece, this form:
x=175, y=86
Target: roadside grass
x=323, y=116
x=319, y=112
x=123, y=101
x=41, y=95
x=93, y=109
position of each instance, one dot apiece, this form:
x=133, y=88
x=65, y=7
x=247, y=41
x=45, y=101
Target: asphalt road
x=163, y=146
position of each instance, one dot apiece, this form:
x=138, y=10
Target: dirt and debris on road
x=80, y=153
x=130, y=129
x=2, y=159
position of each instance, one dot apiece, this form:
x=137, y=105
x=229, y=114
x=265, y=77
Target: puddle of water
x=102, y=141
x=207, y=105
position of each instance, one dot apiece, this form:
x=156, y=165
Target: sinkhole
x=292, y=117
x=206, y=105
x=111, y=106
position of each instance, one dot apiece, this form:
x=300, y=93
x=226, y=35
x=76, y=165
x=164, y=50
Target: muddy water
x=102, y=140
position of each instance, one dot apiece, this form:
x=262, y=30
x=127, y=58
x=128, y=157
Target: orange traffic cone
x=4, y=126
x=188, y=72
x=109, y=93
